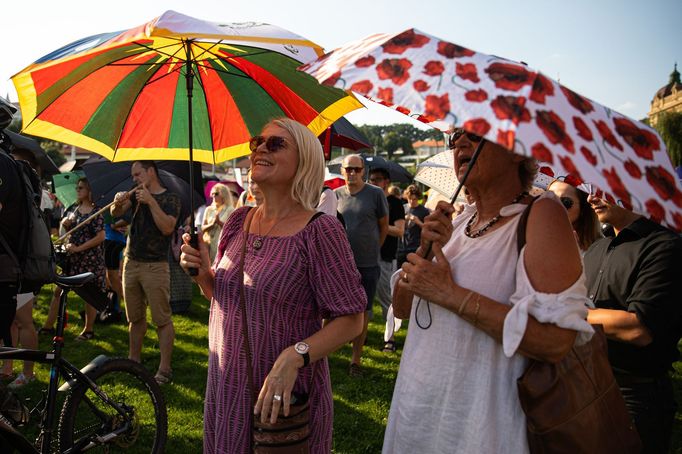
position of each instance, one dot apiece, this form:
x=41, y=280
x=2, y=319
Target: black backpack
x=34, y=263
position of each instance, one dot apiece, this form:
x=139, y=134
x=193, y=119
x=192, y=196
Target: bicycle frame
x=60, y=367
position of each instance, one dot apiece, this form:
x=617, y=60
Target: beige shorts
x=147, y=283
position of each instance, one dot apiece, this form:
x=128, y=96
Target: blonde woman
x=215, y=216
x=288, y=289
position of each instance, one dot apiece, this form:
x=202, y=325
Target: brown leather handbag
x=289, y=434
x=575, y=405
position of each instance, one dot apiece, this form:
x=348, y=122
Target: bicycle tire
x=125, y=382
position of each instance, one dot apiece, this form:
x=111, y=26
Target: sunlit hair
x=87, y=185
x=394, y=191
x=225, y=193
x=587, y=226
x=412, y=190
x=309, y=178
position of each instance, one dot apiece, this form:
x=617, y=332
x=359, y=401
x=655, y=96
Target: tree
x=669, y=125
x=53, y=150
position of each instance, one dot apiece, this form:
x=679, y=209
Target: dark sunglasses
x=272, y=143
x=567, y=202
x=457, y=133
x=353, y=169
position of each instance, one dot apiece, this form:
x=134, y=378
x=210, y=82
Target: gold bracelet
x=477, y=310
x=465, y=301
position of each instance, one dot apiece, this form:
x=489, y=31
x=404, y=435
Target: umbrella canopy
x=27, y=144
x=107, y=178
x=447, y=85
x=175, y=88
x=343, y=134
x=64, y=185
x=397, y=173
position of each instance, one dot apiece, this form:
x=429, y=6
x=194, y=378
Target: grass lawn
x=360, y=405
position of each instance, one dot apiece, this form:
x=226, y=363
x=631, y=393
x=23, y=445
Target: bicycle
x=110, y=404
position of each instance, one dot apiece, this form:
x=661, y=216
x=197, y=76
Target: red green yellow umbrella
x=175, y=88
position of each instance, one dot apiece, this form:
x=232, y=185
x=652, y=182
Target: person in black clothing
x=396, y=227
x=634, y=281
x=414, y=219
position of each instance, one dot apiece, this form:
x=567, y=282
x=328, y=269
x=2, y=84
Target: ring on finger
x=277, y=397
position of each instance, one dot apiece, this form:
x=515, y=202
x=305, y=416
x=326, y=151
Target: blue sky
x=617, y=53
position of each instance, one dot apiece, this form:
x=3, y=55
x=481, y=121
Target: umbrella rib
x=208, y=112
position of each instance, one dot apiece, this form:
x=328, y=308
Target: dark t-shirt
x=13, y=213
x=396, y=212
x=146, y=243
x=413, y=232
x=640, y=271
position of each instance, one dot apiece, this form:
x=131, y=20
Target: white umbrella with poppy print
x=446, y=85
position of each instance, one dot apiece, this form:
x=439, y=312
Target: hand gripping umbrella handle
x=194, y=242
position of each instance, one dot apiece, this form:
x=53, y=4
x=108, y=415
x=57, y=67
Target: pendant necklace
x=258, y=242
x=490, y=223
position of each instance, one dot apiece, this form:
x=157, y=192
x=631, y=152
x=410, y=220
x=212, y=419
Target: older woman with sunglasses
x=215, y=216
x=480, y=308
x=581, y=215
x=287, y=288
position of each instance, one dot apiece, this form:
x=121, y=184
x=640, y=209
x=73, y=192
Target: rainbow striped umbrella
x=175, y=88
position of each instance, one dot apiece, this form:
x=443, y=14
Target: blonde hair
x=225, y=193
x=309, y=178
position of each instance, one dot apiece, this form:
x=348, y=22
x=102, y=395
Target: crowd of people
x=483, y=292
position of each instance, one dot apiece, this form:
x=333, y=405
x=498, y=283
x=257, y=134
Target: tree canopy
x=389, y=138
x=669, y=125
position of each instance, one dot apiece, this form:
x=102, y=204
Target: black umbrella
x=343, y=134
x=106, y=178
x=397, y=173
x=22, y=143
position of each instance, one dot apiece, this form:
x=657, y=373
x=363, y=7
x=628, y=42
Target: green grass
x=360, y=404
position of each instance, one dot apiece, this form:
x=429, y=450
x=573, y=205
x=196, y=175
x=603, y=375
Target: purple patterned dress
x=290, y=285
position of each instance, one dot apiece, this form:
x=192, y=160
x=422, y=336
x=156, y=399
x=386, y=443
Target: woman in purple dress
x=298, y=270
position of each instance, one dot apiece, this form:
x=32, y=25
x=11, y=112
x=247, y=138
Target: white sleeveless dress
x=456, y=388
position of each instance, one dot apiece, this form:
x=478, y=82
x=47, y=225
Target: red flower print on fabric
x=542, y=153
x=424, y=119
x=643, y=141
x=655, y=210
x=395, y=69
x=400, y=43
x=363, y=87
x=589, y=156
x=578, y=102
x=583, y=130
x=677, y=220
x=405, y=111
x=511, y=108
x=467, y=71
x=617, y=187
x=554, y=129
x=607, y=135
x=546, y=170
x=436, y=106
x=476, y=95
x=450, y=50
x=633, y=169
x=434, y=68
x=571, y=170
x=331, y=80
x=509, y=76
x=478, y=126
x=365, y=62
x=542, y=87
x=420, y=85
x=506, y=139
x=664, y=184
x=385, y=94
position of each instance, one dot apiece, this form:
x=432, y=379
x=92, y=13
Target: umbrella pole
x=189, y=78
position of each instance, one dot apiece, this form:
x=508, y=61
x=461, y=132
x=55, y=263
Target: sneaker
x=163, y=377
x=21, y=380
x=389, y=347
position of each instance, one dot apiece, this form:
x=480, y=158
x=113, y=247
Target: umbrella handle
x=90, y=218
x=194, y=242
x=474, y=157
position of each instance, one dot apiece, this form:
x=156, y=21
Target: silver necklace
x=490, y=223
x=258, y=242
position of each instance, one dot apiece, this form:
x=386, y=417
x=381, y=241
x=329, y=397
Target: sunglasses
x=353, y=169
x=457, y=133
x=567, y=202
x=272, y=143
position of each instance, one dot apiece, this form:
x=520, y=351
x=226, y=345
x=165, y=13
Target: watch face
x=301, y=347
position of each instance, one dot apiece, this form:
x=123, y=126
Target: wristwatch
x=302, y=349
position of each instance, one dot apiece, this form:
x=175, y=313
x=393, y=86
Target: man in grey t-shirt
x=365, y=212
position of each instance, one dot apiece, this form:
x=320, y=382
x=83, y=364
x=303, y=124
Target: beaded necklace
x=490, y=223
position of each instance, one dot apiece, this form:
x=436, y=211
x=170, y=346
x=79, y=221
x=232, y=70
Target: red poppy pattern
x=508, y=103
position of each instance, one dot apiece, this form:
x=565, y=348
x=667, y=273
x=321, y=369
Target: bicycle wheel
x=85, y=416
